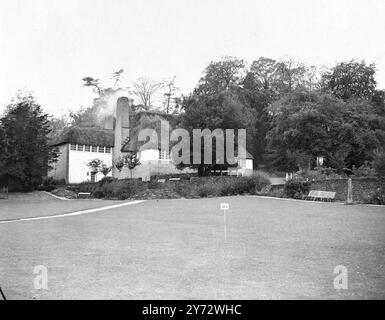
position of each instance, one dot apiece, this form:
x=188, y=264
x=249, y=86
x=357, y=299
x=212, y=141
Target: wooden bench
x=320, y=195
x=84, y=195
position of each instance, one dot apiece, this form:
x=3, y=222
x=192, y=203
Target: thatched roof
x=148, y=120
x=87, y=136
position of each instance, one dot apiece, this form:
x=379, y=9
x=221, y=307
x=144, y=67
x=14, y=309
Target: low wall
x=362, y=187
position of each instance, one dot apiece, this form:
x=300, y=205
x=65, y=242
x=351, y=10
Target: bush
x=205, y=190
x=153, y=184
x=105, y=180
x=99, y=194
x=260, y=181
x=320, y=173
x=378, y=197
x=124, y=196
x=115, y=189
x=183, y=189
x=297, y=189
x=48, y=188
x=379, y=163
x=242, y=185
x=364, y=171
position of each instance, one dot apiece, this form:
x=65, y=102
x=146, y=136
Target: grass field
x=175, y=249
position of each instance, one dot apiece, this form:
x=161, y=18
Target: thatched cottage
x=78, y=146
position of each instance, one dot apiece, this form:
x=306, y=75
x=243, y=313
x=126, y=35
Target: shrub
x=47, y=181
x=47, y=188
x=379, y=163
x=153, y=184
x=260, y=180
x=378, y=197
x=205, y=190
x=296, y=189
x=124, y=196
x=98, y=194
x=364, y=171
x=320, y=173
x=105, y=180
x=242, y=185
x=183, y=189
x=50, y=181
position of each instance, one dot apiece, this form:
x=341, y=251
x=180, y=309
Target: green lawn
x=175, y=249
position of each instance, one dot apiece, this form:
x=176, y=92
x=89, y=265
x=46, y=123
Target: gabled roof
x=249, y=155
x=87, y=136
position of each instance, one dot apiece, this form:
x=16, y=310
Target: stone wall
x=362, y=187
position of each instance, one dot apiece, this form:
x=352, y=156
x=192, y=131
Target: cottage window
x=73, y=146
x=87, y=148
x=101, y=149
x=94, y=149
x=80, y=147
x=163, y=155
x=108, y=150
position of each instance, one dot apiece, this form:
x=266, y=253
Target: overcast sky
x=47, y=46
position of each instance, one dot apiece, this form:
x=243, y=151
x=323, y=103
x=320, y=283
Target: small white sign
x=224, y=206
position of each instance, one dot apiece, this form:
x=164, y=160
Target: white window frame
x=163, y=155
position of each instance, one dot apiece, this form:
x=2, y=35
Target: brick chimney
x=108, y=123
x=122, y=129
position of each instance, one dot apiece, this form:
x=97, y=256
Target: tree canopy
x=25, y=151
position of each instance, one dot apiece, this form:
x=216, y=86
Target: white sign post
x=224, y=207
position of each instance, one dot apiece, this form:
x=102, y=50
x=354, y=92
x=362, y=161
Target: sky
x=48, y=46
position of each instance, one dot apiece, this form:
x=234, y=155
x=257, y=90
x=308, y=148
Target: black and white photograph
x=218, y=151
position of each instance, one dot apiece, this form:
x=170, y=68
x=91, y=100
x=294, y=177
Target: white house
x=78, y=146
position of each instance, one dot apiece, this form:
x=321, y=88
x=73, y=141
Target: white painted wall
x=245, y=168
x=149, y=154
x=249, y=164
x=78, y=169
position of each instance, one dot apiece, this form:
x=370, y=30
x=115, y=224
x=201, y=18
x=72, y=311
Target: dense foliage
x=25, y=154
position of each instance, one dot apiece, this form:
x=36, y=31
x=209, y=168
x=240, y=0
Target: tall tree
x=345, y=133
x=223, y=75
x=171, y=101
x=103, y=103
x=148, y=91
x=353, y=79
x=26, y=154
x=218, y=111
x=289, y=75
x=264, y=71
